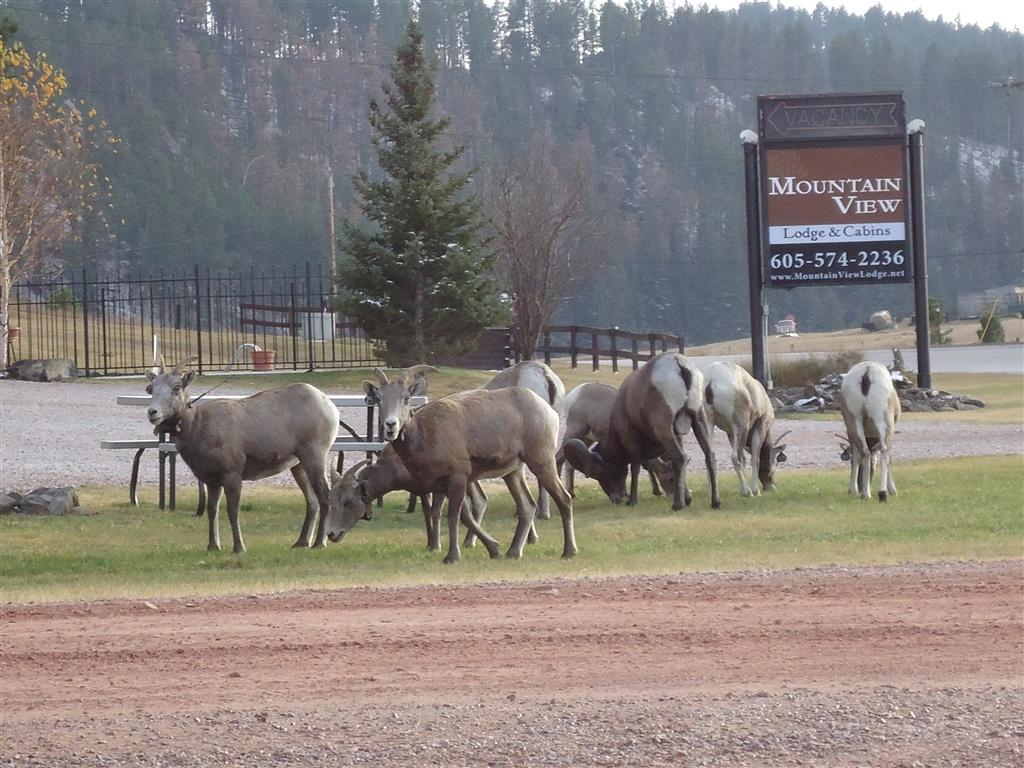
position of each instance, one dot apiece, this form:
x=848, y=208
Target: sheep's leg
x=525, y=512
x=681, y=496
x=456, y=495
x=213, y=491
x=318, y=479
x=655, y=485
x=700, y=431
x=201, y=507
x=433, y=518
x=756, y=441
x=634, y=483
x=887, y=482
x=233, y=492
x=736, y=440
x=426, y=504
x=477, y=502
x=312, y=507
x=543, y=511
x=547, y=475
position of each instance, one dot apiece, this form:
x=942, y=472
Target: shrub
x=62, y=297
x=805, y=371
x=991, y=331
x=936, y=317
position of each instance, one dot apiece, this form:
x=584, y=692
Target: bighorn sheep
x=456, y=440
x=738, y=404
x=538, y=378
x=588, y=413
x=654, y=408
x=227, y=441
x=870, y=408
x=352, y=496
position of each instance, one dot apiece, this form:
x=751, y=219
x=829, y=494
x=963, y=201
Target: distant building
x=1010, y=298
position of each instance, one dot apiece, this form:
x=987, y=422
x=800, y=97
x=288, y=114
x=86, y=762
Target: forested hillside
x=233, y=112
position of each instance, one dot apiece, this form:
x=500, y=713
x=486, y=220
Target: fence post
x=681, y=341
x=294, y=330
x=310, y=321
x=636, y=353
x=572, y=344
x=85, y=320
x=547, y=347
x=613, y=333
x=199, y=317
x=594, y=361
x=651, y=344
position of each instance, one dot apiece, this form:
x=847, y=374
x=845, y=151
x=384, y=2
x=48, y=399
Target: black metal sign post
x=829, y=201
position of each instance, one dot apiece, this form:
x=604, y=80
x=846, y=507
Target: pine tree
x=420, y=281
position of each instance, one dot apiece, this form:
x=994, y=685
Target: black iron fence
x=107, y=325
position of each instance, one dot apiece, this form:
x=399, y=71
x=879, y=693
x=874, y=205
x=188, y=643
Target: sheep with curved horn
x=449, y=443
x=225, y=442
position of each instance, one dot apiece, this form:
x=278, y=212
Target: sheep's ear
x=151, y=374
x=187, y=378
x=582, y=458
x=419, y=385
x=371, y=390
x=781, y=455
x=335, y=478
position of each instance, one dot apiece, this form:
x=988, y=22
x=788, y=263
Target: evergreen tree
x=418, y=282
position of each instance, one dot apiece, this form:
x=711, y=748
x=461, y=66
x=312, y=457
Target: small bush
x=805, y=371
x=991, y=331
x=936, y=317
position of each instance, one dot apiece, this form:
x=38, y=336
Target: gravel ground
x=914, y=665
x=50, y=433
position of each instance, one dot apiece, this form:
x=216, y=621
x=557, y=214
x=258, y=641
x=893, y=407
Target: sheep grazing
x=654, y=408
x=352, y=496
x=870, y=408
x=588, y=413
x=538, y=378
x=225, y=442
x=451, y=442
x=738, y=404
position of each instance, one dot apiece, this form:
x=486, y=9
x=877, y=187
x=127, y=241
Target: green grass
x=126, y=552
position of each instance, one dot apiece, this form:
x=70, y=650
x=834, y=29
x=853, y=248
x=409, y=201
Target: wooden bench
x=168, y=452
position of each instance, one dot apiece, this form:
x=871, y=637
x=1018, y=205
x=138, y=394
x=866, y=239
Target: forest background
x=233, y=113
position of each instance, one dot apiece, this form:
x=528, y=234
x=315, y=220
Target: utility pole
x=332, y=259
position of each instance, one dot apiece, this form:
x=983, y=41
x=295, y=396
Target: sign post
x=835, y=204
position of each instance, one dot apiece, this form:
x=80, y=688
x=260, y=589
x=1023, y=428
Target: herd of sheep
x=440, y=451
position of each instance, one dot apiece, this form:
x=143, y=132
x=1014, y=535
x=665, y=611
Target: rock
x=9, y=502
x=51, y=369
x=50, y=501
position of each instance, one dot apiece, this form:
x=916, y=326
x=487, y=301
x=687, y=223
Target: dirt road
x=901, y=666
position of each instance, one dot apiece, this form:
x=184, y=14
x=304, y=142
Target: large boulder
x=51, y=369
x=882, y=320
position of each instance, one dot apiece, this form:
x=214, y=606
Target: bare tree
x=540, y=215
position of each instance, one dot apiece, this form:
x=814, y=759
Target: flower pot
x=263, y=360
x=13, y=333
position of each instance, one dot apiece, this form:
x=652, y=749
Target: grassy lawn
x=126, y=552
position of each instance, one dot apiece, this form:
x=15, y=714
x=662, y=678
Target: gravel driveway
x=50, y=434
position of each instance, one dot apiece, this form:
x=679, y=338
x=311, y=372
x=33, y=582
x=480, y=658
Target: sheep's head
x=393, y=397
x=773, y=453
x=169, y=390
x=589, y=461
x=349, y=503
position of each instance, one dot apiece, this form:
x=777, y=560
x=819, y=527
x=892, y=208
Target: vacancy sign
x=834, y=192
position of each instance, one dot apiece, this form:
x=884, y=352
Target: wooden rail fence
x=598, y=343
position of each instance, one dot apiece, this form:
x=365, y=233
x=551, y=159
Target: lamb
x=654, y=408
x=870, y=408
x=738, y=404
x=538, y=378
x=588, y=412
x=456, y=440
x=227, y=441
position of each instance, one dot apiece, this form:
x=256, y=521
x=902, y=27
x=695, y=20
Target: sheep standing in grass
x=225, y=442
x=654, y=408
x=870, y=408
x=738, y=404
x=588, y=414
